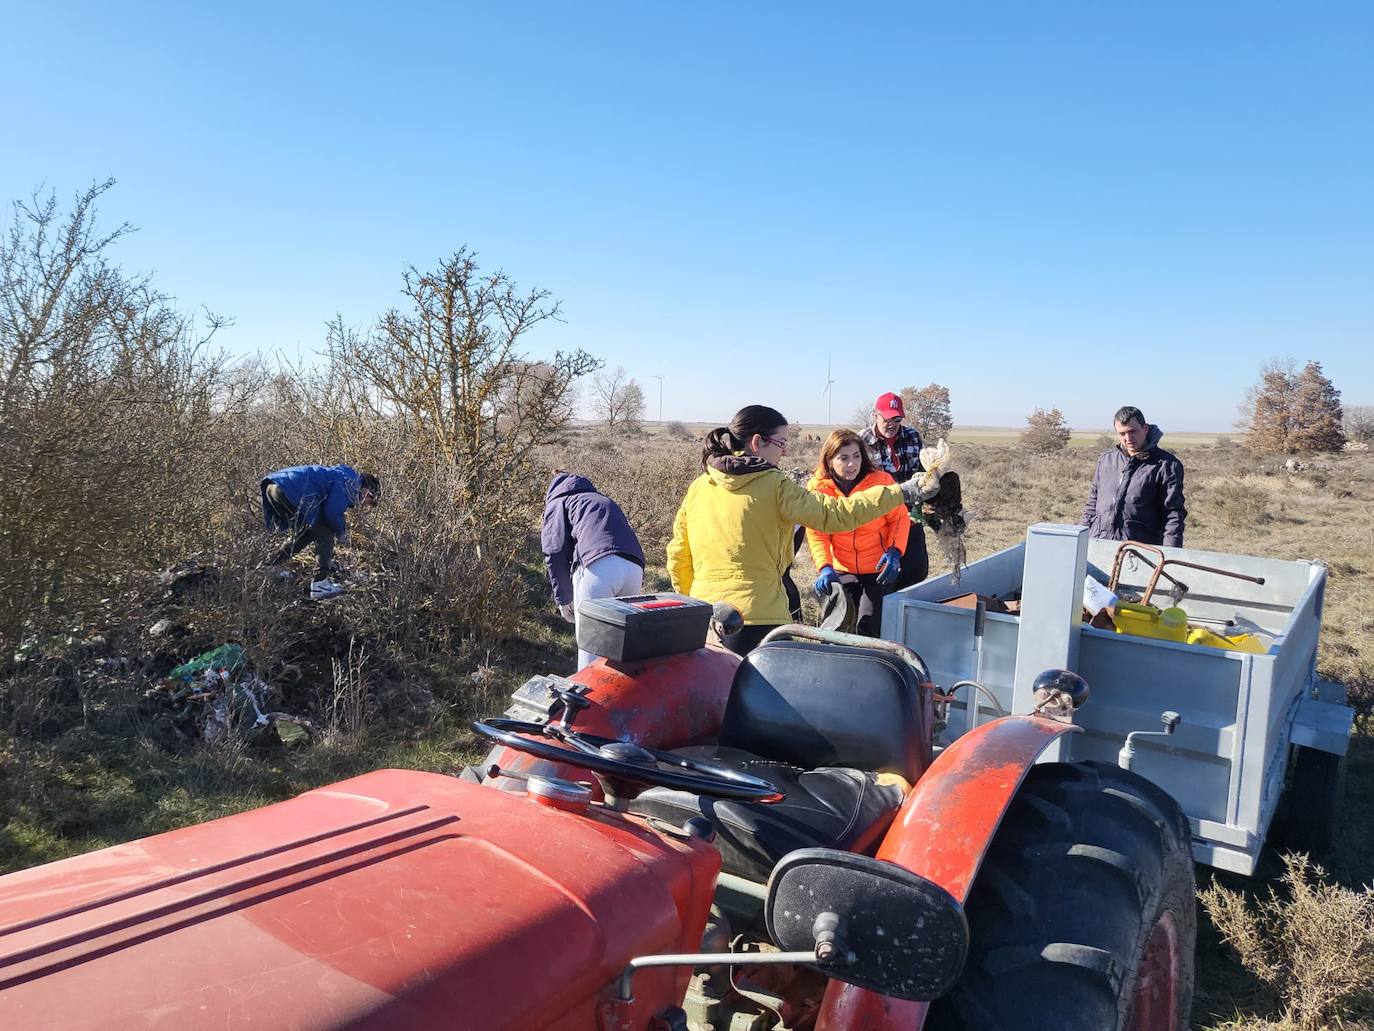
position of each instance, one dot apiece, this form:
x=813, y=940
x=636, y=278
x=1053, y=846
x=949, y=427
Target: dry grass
x=1237, y=502
x=1310, y=940
x=445, y=633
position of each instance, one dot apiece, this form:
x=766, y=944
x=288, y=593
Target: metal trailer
x=1245, y=717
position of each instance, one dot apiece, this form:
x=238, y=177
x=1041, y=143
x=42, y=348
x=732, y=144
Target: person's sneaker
x=321, y=589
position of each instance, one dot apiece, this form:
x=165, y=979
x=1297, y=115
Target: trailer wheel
x=1313, y=796
x=1083, y=915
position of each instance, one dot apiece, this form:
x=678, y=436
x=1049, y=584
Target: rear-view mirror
x=897, y=933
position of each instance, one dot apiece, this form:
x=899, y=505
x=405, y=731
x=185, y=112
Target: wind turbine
x=659, y=377
x=828, y=392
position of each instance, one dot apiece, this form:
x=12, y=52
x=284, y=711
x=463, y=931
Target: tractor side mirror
x=897, y=933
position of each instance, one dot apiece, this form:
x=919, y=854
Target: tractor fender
x=942, y=832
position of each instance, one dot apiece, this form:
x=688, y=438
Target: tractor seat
x=833, y=807
x=829, y=725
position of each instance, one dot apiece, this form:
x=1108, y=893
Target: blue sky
x=1071, y=204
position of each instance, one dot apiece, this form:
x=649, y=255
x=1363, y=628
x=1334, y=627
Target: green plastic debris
x=291, y=733
x=227, y=657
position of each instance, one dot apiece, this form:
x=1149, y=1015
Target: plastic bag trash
x=935, y=461
x=229, y=658
x=1097, y=596
x=291, y=732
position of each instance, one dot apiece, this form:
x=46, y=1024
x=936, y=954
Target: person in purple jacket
x=1137, y=491
x=589, y=548
x=309, y=502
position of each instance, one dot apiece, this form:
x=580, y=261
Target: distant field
x=981, y=434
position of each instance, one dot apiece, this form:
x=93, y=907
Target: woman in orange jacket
x=865, y=561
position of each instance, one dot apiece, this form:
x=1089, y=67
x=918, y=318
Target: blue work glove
x=825, y=581
x=889, y=566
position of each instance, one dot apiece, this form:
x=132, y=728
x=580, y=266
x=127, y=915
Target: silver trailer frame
x=1242, y=713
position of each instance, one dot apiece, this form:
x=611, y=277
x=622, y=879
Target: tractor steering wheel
x=626, y=761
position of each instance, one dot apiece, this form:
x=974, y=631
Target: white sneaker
x=321, y=589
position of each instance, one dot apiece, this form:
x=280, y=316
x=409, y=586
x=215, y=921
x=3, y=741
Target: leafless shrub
x=1045, y=431
x=112, y=407
x=677, y=431
x=1313, y=942
x=349, y=704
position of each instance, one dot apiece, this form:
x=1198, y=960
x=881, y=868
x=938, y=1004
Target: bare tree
x=927, y=409
x=617, y=398
x=450, y=365
x=1046, y=431
x=1358, y=423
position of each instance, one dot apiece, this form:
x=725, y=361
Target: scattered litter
x=216, y=692
x=227, y=658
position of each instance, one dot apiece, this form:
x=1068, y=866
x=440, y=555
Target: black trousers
x=915, y=560
x=301, y=535
x=747, y=639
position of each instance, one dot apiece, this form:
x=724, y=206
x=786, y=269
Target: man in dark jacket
x=309, y=501
x=1137, y=492
x=589, y=548
x=896, y=449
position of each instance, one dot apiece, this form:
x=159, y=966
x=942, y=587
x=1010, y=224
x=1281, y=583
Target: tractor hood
x=396, y=899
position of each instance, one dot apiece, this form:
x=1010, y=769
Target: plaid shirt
x=907, y=447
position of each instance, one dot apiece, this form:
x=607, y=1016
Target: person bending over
x=309, y=502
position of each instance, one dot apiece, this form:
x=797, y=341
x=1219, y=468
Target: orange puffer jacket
x=858, y=551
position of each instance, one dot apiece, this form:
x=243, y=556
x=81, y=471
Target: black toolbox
x=642, y=626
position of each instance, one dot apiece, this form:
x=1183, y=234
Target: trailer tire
x=1313, y=798
x=1083, y=914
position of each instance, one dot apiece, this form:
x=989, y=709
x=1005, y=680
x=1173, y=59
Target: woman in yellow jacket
x=865, y=560
x=732, y=538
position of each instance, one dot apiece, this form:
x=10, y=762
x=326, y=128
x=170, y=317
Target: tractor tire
x=1313, y=799
x=1083, y=915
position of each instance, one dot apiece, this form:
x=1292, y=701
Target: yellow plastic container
x=1147, y=621
x=1238, y=643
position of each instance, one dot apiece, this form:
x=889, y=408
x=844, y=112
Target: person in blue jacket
x=309, y=502
x=589, y=548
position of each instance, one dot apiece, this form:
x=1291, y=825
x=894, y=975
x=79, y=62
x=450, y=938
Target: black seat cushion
x=816, y=705
x=830, y=807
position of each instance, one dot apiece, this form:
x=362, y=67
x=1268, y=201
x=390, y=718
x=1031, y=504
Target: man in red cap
x=896, y=448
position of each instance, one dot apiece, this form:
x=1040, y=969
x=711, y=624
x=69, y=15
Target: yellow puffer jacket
x=732, y=538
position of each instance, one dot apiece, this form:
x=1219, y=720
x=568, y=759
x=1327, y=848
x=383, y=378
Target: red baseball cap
x=889, y=406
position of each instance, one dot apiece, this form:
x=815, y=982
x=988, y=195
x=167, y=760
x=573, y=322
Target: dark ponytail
x=751, y=419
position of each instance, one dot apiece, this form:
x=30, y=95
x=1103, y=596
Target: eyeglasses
x=890, y=418
x=781, y=445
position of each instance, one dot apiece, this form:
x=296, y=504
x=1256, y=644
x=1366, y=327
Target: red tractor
x=662, y=842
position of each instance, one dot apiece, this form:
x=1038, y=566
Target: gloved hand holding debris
x=925, y=486
x=823, y=582
x=919, y=488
